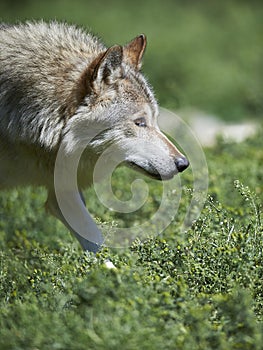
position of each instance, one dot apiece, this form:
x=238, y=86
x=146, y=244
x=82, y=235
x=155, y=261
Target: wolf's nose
x=181, y=164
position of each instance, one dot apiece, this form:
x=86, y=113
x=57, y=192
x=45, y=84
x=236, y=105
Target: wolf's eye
x=140, y=122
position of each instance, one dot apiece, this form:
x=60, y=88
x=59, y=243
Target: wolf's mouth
x=153, y=175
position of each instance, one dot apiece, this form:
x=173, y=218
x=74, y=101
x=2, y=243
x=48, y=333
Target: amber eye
x=140, y=122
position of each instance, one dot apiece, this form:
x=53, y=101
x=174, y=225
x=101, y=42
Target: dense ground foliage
x=201, y=289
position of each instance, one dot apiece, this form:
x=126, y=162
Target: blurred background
x=202, y=55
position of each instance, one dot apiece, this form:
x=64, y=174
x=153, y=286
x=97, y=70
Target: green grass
x=200, y=289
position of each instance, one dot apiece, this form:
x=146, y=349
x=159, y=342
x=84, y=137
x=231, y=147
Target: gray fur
x=57, y=85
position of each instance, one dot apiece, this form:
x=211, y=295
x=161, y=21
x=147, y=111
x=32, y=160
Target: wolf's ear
x=106, y=68
x=102, y=72
x=134, y=50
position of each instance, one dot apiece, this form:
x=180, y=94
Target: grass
x=200, y=289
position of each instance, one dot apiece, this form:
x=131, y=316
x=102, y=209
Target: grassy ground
x=201, y=289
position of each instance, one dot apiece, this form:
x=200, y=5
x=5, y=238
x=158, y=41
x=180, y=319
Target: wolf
x=61, y=90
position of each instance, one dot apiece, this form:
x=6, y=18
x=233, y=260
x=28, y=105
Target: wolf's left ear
x=103, y=71
x=106, y=68
x=134, y=50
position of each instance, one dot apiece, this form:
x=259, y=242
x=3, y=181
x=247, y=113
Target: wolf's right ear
x=134, y=51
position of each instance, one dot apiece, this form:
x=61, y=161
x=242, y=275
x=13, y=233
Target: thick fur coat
x=62, y=89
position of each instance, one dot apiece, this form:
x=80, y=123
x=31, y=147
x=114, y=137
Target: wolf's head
x=115, y=99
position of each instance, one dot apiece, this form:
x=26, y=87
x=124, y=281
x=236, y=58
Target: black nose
x=181, y=164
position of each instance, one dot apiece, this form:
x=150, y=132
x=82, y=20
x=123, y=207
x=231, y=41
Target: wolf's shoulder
x=49, y=35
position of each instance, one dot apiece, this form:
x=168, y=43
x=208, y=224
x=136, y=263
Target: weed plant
x=199, y=289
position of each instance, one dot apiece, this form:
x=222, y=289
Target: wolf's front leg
x=70, y=209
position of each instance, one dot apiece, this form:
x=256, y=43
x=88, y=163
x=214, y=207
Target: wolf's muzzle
x=181, y=164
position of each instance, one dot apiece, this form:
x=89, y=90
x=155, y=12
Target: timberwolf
x=59, y=83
